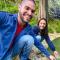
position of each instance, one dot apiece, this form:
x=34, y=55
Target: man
x=12, y=42
x=15, y=36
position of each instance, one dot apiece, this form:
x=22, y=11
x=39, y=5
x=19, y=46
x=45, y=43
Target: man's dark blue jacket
x=8, y=26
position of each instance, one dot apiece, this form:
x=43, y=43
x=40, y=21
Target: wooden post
x=44, y=11
x=43, y=8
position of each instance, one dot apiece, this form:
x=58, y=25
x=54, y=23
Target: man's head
x=26, y=10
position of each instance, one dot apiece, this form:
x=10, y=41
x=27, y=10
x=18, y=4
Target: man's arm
x=3, y=16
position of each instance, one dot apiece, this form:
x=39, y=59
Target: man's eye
x=27, y=8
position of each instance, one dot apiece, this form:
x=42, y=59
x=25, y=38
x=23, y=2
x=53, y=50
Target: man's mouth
x=27, y=16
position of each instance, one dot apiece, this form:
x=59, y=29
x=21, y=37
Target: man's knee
x=27, y=38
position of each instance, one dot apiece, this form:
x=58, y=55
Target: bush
x=54, y=25
x=8, y=7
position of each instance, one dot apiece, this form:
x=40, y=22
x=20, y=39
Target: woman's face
x=42, y=24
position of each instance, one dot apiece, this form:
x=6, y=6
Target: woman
x=41, y=34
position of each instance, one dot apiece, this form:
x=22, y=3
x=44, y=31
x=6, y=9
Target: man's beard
x=24, y=21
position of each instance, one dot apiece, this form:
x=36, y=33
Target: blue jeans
x=39, y=38
x=22, y=47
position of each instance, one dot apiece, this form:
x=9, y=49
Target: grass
x=53, y=26
x=57, y=44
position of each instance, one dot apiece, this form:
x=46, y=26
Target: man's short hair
x=29, y=0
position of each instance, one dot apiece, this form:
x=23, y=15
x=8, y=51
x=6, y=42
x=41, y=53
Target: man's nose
x=30, y=12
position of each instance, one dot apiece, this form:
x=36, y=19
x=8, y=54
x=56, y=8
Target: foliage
x=54, y=25
x=11, y=6
x=8, y=6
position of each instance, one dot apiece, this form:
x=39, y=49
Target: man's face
x=26, y=10
x=42, y=24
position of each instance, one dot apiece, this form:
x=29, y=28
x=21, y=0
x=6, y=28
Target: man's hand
x=56, y=54
x=52, y=57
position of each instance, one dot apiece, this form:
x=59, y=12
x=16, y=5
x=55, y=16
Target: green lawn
x=57, y=44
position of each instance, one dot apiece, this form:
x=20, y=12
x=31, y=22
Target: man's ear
x=19, y=7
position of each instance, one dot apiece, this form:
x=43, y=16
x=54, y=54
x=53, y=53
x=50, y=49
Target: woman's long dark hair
x=45, y=30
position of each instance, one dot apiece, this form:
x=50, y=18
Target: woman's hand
x=52, y=57
x=56, y=54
